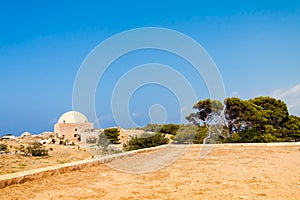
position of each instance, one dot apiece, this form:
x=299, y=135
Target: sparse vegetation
x=35, y=149
x=145, y=141
x=4, y=148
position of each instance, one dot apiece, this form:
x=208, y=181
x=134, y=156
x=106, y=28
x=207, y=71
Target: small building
x=70, y=124
x=8, y=137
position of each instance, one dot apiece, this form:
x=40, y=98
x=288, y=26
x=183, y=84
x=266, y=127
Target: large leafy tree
x=206, y=110
x=241, y=114
x=209, y=113
x=291, y=129
x=274, y=113
x=261, y=119
x=169, y=129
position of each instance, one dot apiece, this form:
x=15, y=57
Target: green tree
x=291, y=129
x=169, y=129
x=185, y=134
x=201, y=134
x=206, y=109
x=261, y=119
x=112, y=135
x=273, y=112
x=209, y=113
x=145, y=141
x=241, y=114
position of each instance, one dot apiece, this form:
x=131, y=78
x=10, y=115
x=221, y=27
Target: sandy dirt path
x=227, y=172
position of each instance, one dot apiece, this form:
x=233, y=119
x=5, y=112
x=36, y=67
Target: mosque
x=70, y=124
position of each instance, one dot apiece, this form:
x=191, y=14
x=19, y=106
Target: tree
x=169, y=129
x=265, y=114
x=291, y=129
x=261, y=119
x=210, y=113
x=201, y=134
x=274, y=112
x=240, y=114
x=112, y=135
x=206, y=110
x=185, y=134
x=145, y=141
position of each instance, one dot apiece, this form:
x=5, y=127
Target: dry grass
x=59, y=155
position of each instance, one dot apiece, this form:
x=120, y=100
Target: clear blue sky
x=255, y=45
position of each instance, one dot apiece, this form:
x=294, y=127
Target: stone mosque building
x=70, y=124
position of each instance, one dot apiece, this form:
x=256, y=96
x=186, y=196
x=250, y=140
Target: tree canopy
x=261, y=119
x=206, y=109
x=145, y=141
x=112, y=135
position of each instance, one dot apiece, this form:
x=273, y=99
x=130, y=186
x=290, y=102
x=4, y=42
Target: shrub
x=200, y=135
x=112, y=135
x=145, y=141
x=35, y=149
x=4, y=148
x=170, y=129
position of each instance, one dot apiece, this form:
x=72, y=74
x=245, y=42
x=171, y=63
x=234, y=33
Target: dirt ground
x=58, y=155
x=227, y=172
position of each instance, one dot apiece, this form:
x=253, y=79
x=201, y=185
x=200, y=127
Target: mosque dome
x=73, y=117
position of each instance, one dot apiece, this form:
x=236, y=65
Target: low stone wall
x=21, y=177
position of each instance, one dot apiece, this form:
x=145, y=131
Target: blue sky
x=255, y=45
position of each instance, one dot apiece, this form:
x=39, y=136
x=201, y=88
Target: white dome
x=73, y=117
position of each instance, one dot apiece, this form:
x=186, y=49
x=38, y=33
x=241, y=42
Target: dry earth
x=58, y=155
x=227, y=172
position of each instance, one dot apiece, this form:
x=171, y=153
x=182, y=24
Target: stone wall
x=71, y=130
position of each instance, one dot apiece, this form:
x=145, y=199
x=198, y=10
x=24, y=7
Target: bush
x=4, y=148
x=185, y=134
x=112, y=135
x=269, y=138
x=35, y=149
x=145, y=141
x=170, y=129
x=200, y=135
